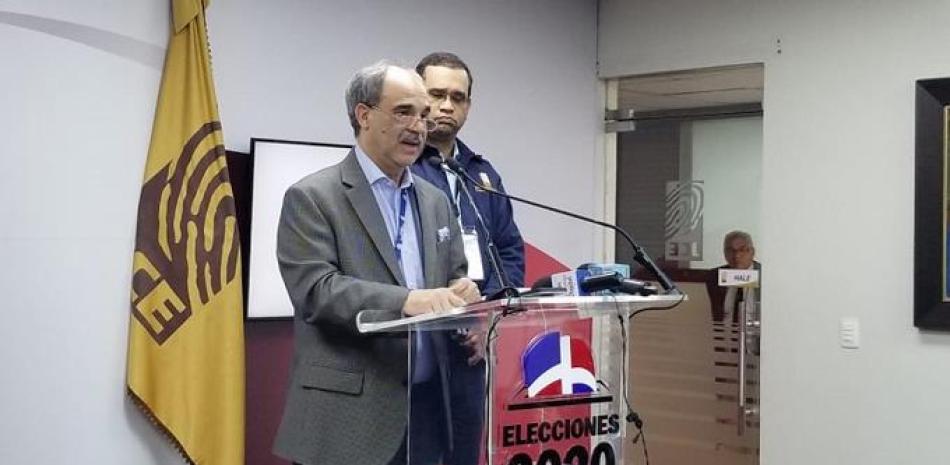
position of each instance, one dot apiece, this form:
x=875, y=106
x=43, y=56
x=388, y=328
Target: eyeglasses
x=406, y=120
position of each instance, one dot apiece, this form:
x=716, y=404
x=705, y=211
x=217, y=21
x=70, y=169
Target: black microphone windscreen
x=602, y=282
x=434, y=160
x=636, y=287
x=543, y=282
x=454, y=164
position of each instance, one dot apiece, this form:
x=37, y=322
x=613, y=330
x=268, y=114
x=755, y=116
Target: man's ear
x=362, y=112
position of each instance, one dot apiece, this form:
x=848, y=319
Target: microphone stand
x=494, y=257
x=639, y=254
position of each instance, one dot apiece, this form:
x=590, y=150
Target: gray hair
x=365, y=87
x=732, y=235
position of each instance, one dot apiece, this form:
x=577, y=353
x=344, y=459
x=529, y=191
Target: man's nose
x=418, y=126
x=446, y=105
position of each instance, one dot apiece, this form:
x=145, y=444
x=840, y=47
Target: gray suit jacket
x=347, y=398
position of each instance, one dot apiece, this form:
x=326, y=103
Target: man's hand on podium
x=466, y=289
x=431, y=300
x=474, y=341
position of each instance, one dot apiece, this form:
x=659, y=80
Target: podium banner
x=555, y=378
x=556, y=396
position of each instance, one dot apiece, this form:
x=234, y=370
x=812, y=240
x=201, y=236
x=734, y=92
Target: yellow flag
x=186, y=333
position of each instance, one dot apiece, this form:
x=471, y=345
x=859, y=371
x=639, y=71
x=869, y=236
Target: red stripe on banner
x=552, y=389
x=538, y=263
x=580, y=355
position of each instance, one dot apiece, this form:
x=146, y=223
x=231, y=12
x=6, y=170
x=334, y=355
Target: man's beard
x=442, y=133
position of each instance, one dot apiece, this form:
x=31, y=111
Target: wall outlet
x=850, y=333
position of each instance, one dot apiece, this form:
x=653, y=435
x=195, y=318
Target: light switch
x=850, y=333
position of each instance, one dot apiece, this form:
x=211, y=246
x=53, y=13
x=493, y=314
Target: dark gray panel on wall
x=647, y=159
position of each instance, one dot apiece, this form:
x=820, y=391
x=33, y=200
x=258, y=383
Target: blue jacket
x=496, y=211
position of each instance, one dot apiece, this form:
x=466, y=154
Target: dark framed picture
x=931, y=203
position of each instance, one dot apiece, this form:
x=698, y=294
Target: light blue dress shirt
x=388, y=196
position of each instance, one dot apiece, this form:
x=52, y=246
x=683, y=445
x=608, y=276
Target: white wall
x=727, y=157
x=281, y=72
x=79, y=84
x=837, y=209
x=76, y=122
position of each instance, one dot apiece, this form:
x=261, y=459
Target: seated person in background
x=739, y=251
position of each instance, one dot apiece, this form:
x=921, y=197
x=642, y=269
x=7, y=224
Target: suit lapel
x=360, y=195
x=427, y=222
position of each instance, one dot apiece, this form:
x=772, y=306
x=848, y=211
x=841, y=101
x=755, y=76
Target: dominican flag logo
x=558, y=365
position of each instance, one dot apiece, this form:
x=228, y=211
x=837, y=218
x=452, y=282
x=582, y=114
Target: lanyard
x=400, y=222
x=458, y=192
x=453, y=181
x=456, y=182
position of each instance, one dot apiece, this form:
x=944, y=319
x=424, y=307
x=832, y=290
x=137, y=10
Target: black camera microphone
x=617, y=283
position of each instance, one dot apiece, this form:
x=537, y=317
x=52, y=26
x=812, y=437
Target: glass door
x=684, y=179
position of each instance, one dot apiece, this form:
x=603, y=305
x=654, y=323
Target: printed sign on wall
x=684, y=221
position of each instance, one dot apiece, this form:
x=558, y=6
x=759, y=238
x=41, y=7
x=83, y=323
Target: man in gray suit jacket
x=365, y=234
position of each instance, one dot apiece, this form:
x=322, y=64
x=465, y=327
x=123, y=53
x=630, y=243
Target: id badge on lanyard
x=473, y=254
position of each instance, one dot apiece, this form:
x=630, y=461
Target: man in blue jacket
x=449, y=84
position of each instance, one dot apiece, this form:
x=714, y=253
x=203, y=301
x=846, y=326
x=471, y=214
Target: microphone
x=547, y=281
x=453, y=165
x=639, y=254
x=616, y=282
x=494, y=256
x=542, y=282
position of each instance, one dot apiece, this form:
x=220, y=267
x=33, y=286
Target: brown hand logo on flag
x=186, y=244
